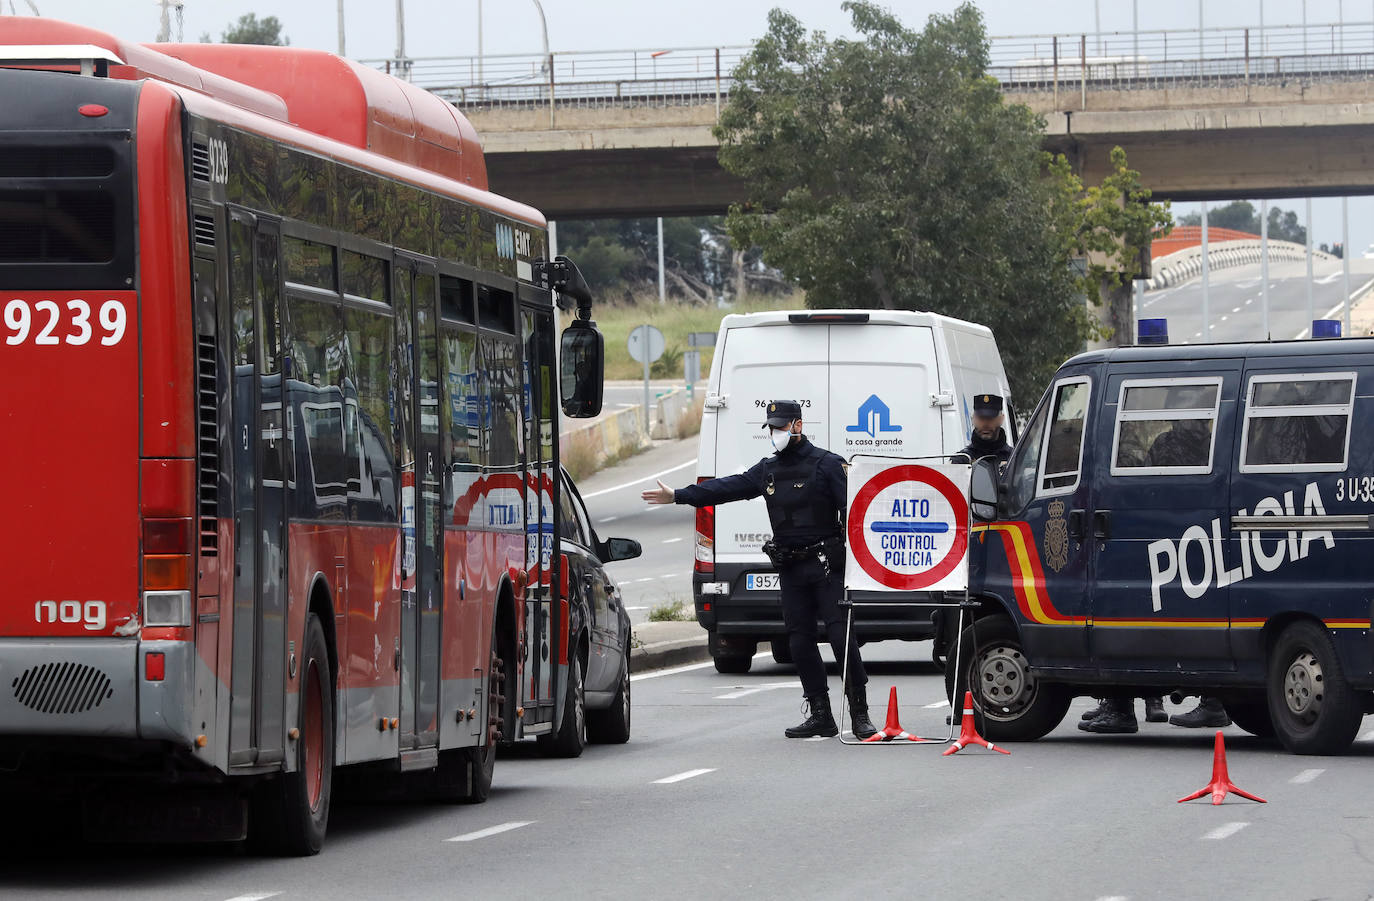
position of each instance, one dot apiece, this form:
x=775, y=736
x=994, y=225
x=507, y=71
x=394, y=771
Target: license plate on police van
x=761, y=582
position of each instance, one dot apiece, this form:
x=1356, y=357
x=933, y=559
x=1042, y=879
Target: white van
x=896, y=383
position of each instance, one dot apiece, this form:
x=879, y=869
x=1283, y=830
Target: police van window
x=1025, y=462
x=1298, y=422
x=1166, y=426
x=1064, y=438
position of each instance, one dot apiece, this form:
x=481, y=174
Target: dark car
x=597, y=704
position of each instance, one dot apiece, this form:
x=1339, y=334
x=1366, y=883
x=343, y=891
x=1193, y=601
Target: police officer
x=988, y=439
x=805, y=489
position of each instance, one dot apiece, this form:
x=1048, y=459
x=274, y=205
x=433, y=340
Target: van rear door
x=760, y=364
x=881, y=381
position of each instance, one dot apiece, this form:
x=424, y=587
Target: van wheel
x=1252, y=716
x=1014, y=705
x=733, y=665
x=291, y=812
x=1314, y=709
x=782, y=650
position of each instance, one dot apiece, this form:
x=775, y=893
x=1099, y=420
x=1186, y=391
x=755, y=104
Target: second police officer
x=989, y=439
x=806, y=491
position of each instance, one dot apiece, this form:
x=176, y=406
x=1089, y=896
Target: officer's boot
x=1093, y=713
x=1154, y=709
x=1209, y=712
x=819, y=721
x=858, y=712
x=1118, y=718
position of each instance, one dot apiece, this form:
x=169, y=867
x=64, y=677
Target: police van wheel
x=782, y=650
x=1313, y=707
x=1014, y=705
x=1252, y=716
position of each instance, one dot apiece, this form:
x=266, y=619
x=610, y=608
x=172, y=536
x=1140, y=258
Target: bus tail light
x=154, y=666
x=166, y=572
x=705, y=562
x=166, y=608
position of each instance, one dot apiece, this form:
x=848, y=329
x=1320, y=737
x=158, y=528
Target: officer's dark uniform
x=806, y=491
x=988, y=405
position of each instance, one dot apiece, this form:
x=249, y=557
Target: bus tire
x=1011, y=704
x=570, y=737
x=1313, y=708
x=481, y=760
x=290, y=813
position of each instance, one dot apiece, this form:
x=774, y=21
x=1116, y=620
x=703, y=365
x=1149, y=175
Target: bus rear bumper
x=91, y=687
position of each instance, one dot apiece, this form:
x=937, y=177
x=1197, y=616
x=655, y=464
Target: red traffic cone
x=1221, y=780
x=893, y=731
x=969, y=735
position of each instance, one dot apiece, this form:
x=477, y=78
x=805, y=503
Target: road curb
x=661, y=645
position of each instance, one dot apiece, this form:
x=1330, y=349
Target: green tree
x=249, y=29
x=889, y=171
x=1241, y=215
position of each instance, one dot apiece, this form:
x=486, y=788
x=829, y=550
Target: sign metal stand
x=963, y=606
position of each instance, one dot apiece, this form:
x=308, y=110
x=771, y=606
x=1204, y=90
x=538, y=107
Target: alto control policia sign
x=907, y=525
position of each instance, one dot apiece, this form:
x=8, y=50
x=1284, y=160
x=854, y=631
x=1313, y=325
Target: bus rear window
x=94, y=161
x=56, y=226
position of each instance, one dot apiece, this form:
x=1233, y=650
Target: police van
x=894, y=383
x=1193, y=518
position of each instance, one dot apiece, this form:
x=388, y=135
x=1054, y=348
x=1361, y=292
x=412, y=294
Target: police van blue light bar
x=1152, y=331
x=1326, y=328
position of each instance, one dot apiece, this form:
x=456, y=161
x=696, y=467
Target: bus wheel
x=1313, y=708
x=291, y=812
x=482, y=759
x=1014, y=705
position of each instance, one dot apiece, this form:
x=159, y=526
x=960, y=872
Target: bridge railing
x=1067, y=65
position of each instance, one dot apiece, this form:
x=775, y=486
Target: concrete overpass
x=1215, y=114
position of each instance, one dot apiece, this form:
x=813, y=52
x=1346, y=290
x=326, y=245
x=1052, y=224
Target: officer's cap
x=988, y=405
x=781, y=413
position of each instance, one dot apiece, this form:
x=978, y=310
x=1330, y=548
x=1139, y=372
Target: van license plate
x=761, y=582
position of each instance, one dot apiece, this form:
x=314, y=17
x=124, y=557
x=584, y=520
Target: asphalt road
x=664, y=573
x=1235, y=301
x=709, y=800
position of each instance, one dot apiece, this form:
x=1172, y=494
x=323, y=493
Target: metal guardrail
x=1068, y=66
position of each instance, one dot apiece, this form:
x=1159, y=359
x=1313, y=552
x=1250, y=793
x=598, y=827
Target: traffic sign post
x=907, y=530
x=645, y=345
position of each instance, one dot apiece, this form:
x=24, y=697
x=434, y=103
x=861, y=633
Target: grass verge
x=676, y=321
x=671, y=612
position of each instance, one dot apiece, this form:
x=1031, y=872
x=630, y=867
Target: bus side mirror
x=583, y=366
x=983, y=489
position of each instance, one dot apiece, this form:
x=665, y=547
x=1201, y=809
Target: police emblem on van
x=1056, y=537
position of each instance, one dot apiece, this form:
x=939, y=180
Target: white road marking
x=744, y=692
x=690, y=774
x=1114, y=898
x=640, y=482
x=608, y=519
x=1327, y=279
x=258, y=897
x=1236, y=310
x=1368, y=736
x=1306, y=776
x=490, y=830
x=669, y=576
x=649, y=579
x=672, y=540
x=636, y=608
x=823, y=738
x=1226, y=831
x=937, y=705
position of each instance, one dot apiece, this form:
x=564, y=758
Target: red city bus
x=279, y=417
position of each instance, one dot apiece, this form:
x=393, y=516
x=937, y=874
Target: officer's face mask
x=780, y=438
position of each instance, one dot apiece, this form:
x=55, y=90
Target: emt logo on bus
x=1169, y=559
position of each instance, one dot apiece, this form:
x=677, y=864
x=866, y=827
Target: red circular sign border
x=859, y=547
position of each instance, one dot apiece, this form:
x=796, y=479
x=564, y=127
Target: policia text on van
x=1191, y=518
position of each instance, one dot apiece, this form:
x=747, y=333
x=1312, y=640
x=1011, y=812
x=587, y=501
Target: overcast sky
x=449, y=28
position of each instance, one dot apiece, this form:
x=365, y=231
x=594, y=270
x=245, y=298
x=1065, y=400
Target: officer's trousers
x=809, y=596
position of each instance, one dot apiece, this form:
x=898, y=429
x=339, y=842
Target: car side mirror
x=620, y=549
x=983, y=489
x=582, y=364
